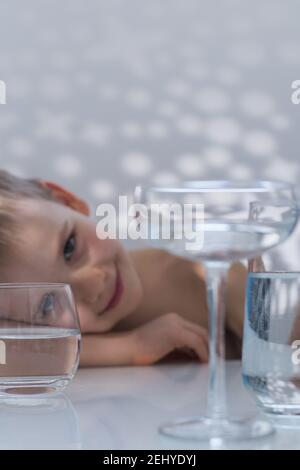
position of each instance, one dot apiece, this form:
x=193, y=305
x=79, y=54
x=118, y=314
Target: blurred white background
x=102, y=94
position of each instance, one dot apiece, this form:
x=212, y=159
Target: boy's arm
x=107, y=349
x=146, y=344
x=235, y=298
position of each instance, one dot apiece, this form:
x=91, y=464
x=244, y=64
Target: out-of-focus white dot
x=165, y=178
x=136, y=164
x=247, y=54
x=189, y=50
x=189, y=124
x=139, y=68
x=27, y=58
x=97, y=55
x=62, y=60
x=27, y=17
x=54, y=87
x=96, y=134
x=68, y=166
x=84, y=79
x=260, y=143
x=19, y=87
x=217, y=157
x=223, y=130
x=102, y=189
x=108, y=92
x=205, y=32
x=189, y=165
x=281, y=169
x=7, y=120
x=228, y=76
x=289, y=53
x=257, y=103
x=48, y=36
x=20, y=147
x=239, y=25
x=280, y=122
x=177, y=88
x=131, y=130
x=138, y=98
x=6, y=61
x=162, y=60
x=56, y=126
x=212, y=100
x=168, y=108
x=239, y=171
x=157, y=130
x=196, y=70
x=82, y=32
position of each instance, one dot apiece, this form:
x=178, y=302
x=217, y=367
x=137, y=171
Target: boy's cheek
x=90, y=322
x=87, y=319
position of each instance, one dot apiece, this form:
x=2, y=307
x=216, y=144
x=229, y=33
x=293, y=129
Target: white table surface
x=121, y=408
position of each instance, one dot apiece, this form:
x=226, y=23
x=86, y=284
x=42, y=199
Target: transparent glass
x=271, y=350
x=39, y=338
x=228, y=234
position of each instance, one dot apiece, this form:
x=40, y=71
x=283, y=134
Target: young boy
x=135, y=308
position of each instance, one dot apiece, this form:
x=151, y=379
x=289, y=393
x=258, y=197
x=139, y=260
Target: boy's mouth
x=117, y=294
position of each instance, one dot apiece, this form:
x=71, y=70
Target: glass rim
x=20, y=285
x=202, y=186
x=275, y=274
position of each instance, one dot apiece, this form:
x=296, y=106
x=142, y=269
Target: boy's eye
x=47, y=304
x=69, y=247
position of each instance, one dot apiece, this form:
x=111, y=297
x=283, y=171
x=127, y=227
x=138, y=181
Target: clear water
x=271, y=365
x=37, y=359
x=222, y=241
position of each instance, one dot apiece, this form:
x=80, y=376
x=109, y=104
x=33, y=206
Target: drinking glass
x=221, y=233
x=271, y=348
x=39, y=338
x=271, y=354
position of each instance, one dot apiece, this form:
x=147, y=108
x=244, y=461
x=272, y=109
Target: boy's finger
x=195, y=342
x=202, y=352
x=202, y=332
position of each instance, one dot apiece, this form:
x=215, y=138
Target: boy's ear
x=66, y=197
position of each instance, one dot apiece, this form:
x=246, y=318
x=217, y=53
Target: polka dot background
x=104, y=94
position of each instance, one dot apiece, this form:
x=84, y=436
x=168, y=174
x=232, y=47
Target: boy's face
x=59, y=244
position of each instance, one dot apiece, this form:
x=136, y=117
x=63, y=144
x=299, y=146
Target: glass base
x=283, y=417
x=16, y=386
x=218, y=430
x=281, y=409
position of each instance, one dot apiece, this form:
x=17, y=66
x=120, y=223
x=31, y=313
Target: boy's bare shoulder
x=170, y=284
x=174, y=267
x=150, y=256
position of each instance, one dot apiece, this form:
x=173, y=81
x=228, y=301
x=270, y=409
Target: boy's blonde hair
x=12, y=190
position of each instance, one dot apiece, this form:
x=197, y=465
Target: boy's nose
x=91, y=283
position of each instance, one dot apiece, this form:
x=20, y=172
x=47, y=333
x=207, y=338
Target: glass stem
x=216, y=275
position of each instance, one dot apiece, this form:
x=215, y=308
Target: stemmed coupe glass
x=216, y=229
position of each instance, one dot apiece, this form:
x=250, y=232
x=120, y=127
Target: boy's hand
x=165, y=334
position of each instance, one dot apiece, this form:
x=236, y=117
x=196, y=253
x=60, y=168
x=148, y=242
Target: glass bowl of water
x=39, y=338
